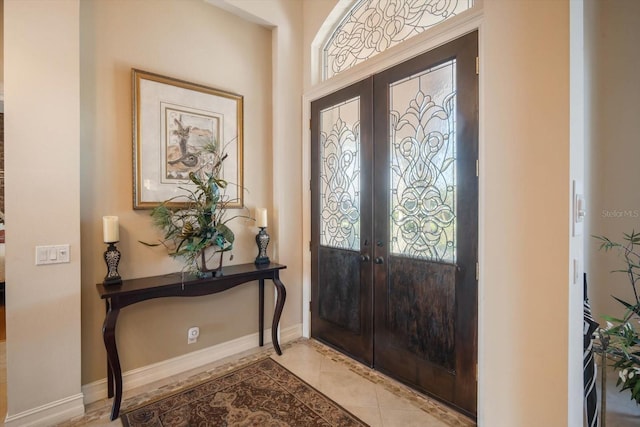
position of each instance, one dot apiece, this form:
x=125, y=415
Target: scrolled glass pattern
x=423, y=170
x=340, y=176
x=373, y=26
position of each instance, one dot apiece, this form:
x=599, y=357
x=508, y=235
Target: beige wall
x=196, y=42
x=285, y=17
x=524, y=296
x=614, y=148
x=42, y=106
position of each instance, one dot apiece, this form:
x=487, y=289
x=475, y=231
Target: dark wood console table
x=176, y=285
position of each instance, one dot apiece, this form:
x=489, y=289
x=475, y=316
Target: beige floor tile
x=348, y=389
x=414, y=418
x=388, y=400
x=369, y=415
x=302, y=361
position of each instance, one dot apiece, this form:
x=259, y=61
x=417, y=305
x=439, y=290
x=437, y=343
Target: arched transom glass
x=372, y=26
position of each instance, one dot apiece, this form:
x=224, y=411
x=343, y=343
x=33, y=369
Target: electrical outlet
x=192, y=334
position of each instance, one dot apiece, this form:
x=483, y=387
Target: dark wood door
x=394, y=249
x=341, y=223
x=426, y=222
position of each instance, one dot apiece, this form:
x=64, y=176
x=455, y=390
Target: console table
x=178, y=285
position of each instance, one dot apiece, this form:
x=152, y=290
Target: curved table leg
x=261, y=312
x=109, y=337
x=109, y=371
x=282, y=296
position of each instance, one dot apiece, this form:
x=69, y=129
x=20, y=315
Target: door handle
x=379, y=260
x=365, y=258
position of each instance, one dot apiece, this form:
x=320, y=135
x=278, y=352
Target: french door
x=394, y=221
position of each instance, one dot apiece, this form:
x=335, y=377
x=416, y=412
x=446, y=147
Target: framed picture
x=173, y=121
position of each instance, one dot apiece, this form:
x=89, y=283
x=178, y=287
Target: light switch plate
x=53, y=254
x=579, y=208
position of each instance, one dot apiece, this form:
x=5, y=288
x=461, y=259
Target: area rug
x=262, y=393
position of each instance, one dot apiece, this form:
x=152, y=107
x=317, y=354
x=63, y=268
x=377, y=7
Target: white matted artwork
x=173, y=121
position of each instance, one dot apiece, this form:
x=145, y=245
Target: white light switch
x=579, y=208
x=55, y=254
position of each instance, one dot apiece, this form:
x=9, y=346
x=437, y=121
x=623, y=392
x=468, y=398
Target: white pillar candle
x=261, y=217
x=110, y=229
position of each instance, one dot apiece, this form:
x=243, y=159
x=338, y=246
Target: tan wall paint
x=42, y=107
x=525, y=166
x=192, y=41
x=285, y=17
x=614, y=148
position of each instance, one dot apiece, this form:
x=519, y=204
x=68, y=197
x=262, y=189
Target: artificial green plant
x=620, y=338
x=198, y=231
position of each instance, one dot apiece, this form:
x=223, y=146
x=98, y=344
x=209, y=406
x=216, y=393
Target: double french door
x=394, y=221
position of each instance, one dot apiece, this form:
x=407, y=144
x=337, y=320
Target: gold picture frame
x=172, y=120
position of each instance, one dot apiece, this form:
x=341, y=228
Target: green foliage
x=620, y=339
x=189, y=232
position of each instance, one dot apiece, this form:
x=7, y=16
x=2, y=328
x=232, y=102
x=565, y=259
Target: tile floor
x=371, y=396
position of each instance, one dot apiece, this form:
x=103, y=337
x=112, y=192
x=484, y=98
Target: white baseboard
x=49, y=414
x=141, y=376
x=290, y=333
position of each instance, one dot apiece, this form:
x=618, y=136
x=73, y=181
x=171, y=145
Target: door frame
x=456, y=27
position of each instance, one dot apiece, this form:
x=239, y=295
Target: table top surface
x=172, y=279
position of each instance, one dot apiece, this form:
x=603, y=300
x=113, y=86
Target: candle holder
x=112, y=258
x=262, y=240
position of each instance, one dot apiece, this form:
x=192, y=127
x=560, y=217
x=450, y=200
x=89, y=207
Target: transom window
x=372, y=26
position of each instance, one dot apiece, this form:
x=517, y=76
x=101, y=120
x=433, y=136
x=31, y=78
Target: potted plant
x=620, y=340
x=199, y=231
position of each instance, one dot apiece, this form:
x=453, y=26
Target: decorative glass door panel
x=339, y=170
x=423, y=171
x=340, y=213
x=341, y=223
x=422, y=212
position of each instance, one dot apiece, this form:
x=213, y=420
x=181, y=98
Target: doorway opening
x=394, y=221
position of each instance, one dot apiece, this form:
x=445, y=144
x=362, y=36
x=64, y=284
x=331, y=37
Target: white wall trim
x=290, y=333
x=242, y=13
x=48, y=414
x=158, y=371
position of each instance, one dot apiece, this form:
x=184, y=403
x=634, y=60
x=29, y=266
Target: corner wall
x=42, y=111
x=285, y=19
x=525, y=291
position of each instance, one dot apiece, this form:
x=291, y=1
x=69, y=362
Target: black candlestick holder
x=262, y=240
x=112, y=258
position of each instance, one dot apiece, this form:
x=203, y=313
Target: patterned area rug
x=260, y=394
